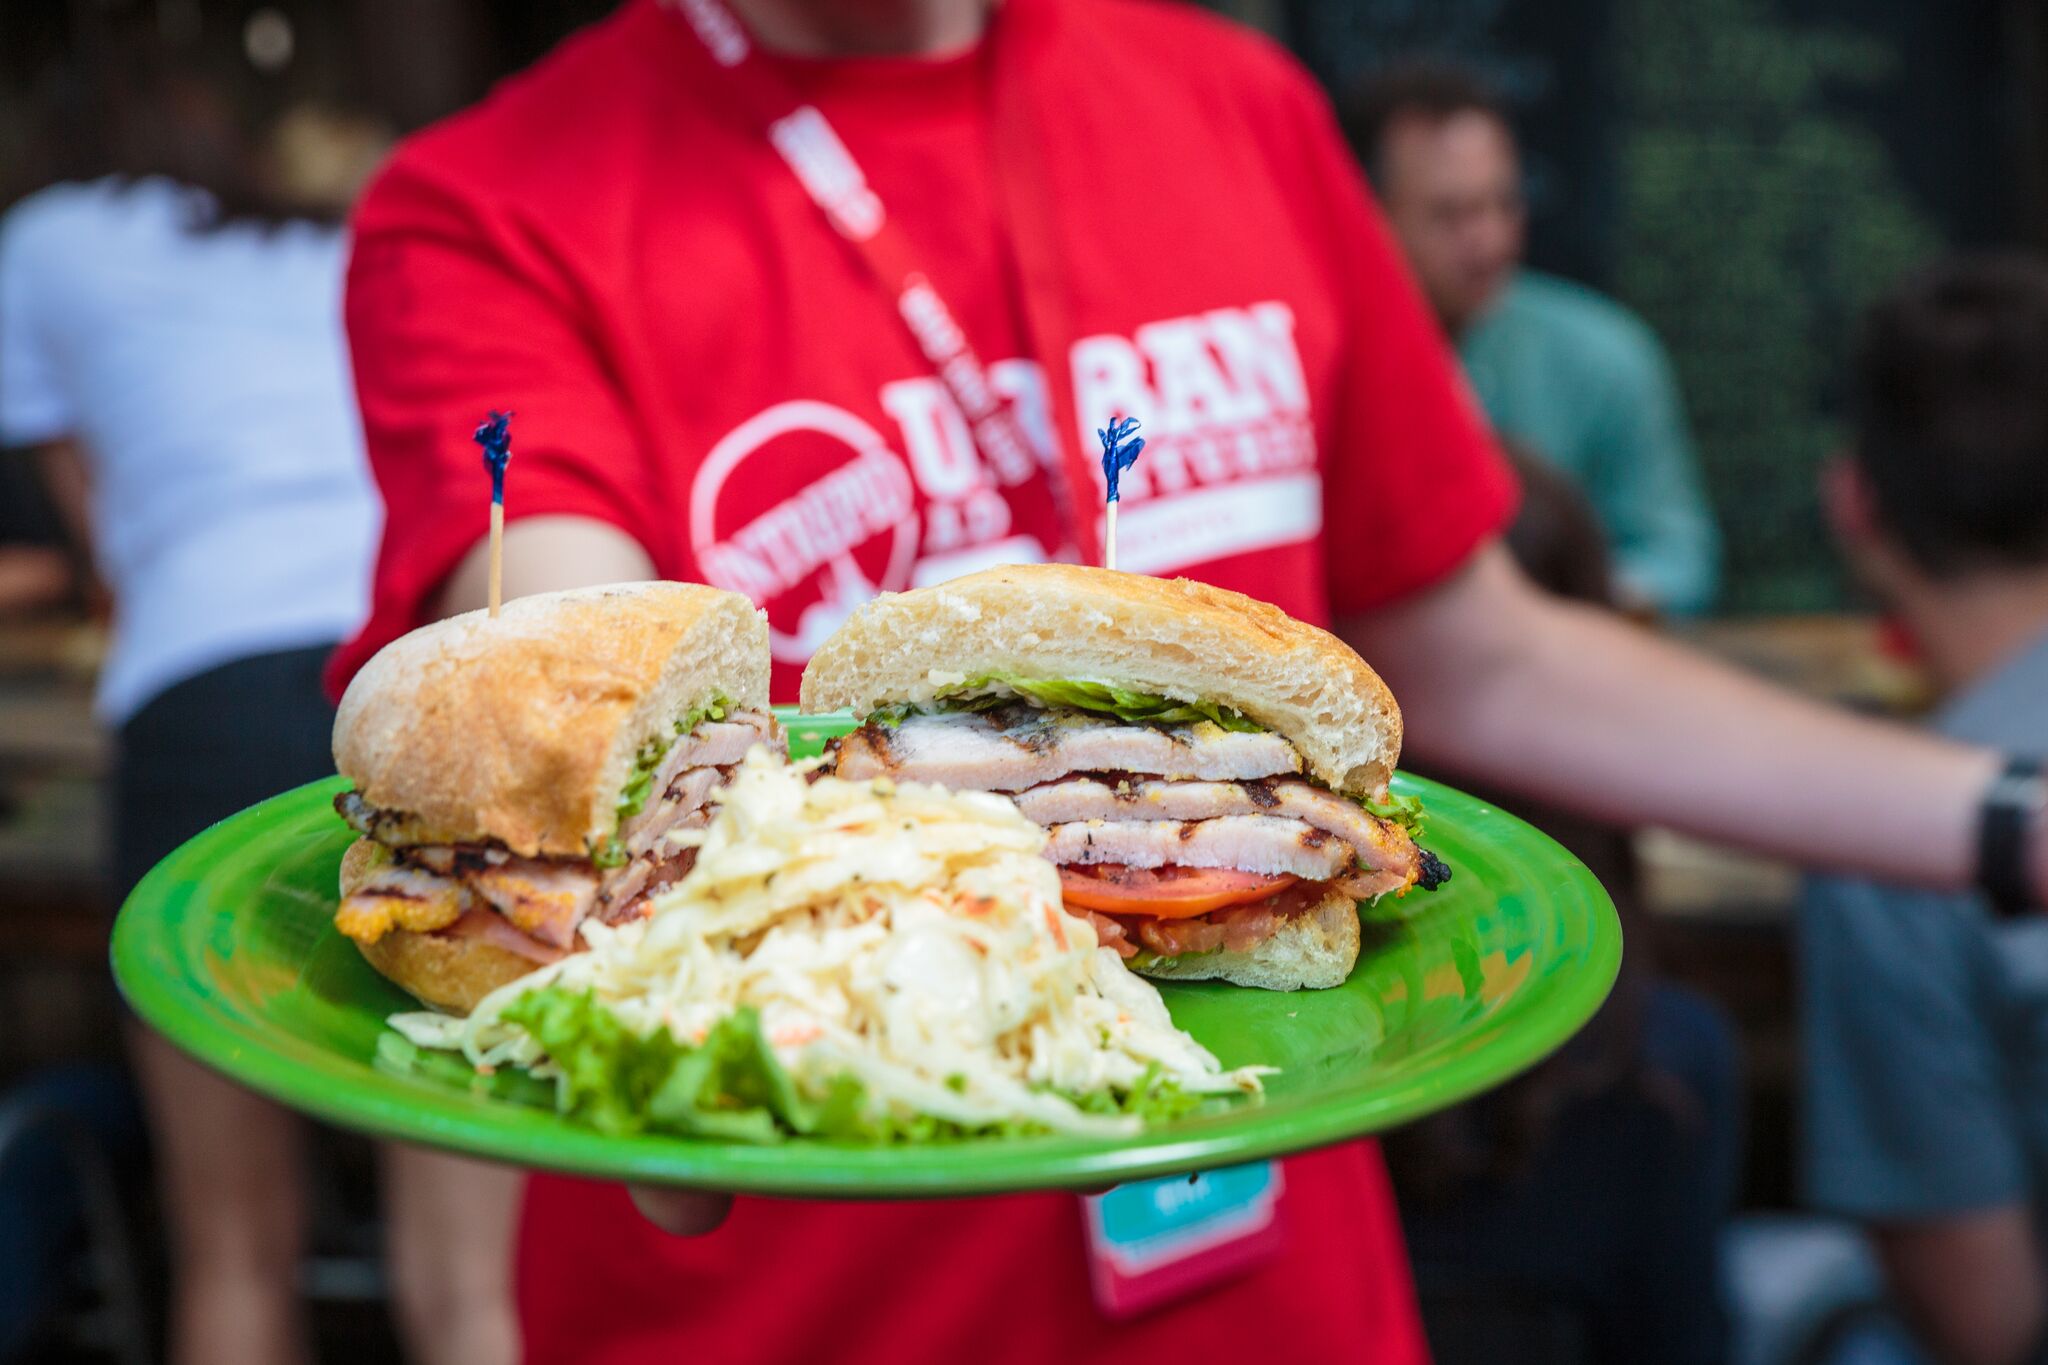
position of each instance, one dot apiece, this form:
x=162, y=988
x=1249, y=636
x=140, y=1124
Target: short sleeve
x=35, y=405
x=1413, y=482
x=454, y=311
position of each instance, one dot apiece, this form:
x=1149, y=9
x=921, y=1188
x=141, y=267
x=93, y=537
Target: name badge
x=1159, y=1240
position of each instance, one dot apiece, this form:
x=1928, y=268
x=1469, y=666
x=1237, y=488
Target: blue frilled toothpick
x=495, y=436
x=1120, y=449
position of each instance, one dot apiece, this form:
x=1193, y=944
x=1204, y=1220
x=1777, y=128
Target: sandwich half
x=516, y=777
x=1212, y=773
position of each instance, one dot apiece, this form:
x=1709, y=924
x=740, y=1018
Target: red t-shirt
x=607, y=246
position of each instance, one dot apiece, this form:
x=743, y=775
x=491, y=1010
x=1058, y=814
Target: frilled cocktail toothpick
x=495, y=436
x=1120, y=451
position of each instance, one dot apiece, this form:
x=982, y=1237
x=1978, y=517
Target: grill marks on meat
x=1380, y=846
x=542, y=898
x=1012, y=748
x=684, y=796
x=539, y=902
x=1249, y=843
x=392, y=828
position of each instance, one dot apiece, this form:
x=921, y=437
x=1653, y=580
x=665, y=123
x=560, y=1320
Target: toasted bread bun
x=524, y=729
x=1173, y=637
x=447, y=973
x=1313, y=951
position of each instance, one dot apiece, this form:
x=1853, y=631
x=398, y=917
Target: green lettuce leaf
x=1405, y=811
x=399, y=1056
x=732, y=1088
x=1077, y=694
x=620, y=1082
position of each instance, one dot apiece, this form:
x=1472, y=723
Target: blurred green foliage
x=1755, y=222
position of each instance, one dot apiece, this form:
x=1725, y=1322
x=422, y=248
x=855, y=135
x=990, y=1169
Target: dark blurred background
x=1745, y=174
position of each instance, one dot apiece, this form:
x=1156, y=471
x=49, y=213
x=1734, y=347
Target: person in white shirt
x=178, y=352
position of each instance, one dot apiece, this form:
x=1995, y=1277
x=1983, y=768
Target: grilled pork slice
x=545, y=899
x=720, y=743
x=430, y=887
x=681, y=797
x=1011, y=748
x=1264, y=844
x=1380, y=845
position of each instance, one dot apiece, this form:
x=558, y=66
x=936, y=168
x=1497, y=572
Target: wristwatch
x=2007, y=820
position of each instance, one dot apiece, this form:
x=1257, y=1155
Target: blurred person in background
x=649, y=244
x=1571, y=374
x=170, y=341
x=1576, y=1213
x=1925, y=1018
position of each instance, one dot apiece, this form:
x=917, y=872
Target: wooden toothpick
x=1120, y=448
x=497, y=554
x=495, y=436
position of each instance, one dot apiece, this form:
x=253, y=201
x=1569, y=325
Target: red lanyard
x=809, y=145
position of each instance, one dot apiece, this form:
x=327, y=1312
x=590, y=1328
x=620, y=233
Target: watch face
x=2012, y=837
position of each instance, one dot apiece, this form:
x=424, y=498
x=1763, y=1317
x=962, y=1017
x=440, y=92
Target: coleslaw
x=857, y=959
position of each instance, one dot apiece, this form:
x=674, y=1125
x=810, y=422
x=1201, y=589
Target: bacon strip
x=545, y=899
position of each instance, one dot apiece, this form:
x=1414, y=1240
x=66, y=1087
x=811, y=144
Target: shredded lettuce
x=731, y=1087
x=1078, y=694
x=1405, y=811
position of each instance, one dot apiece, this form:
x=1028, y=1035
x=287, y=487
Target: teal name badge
x=1162, y=1239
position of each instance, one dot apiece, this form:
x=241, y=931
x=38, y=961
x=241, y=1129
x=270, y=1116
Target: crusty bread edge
x=522, y=729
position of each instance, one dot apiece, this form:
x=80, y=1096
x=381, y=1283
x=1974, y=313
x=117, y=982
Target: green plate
x=228, y=948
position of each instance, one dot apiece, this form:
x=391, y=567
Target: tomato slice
x=1164, y=892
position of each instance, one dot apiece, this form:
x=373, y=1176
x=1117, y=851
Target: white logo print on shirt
x=1229, y=468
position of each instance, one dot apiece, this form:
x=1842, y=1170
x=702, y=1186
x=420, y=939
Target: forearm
x=1575, y=706
x=546, y=554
